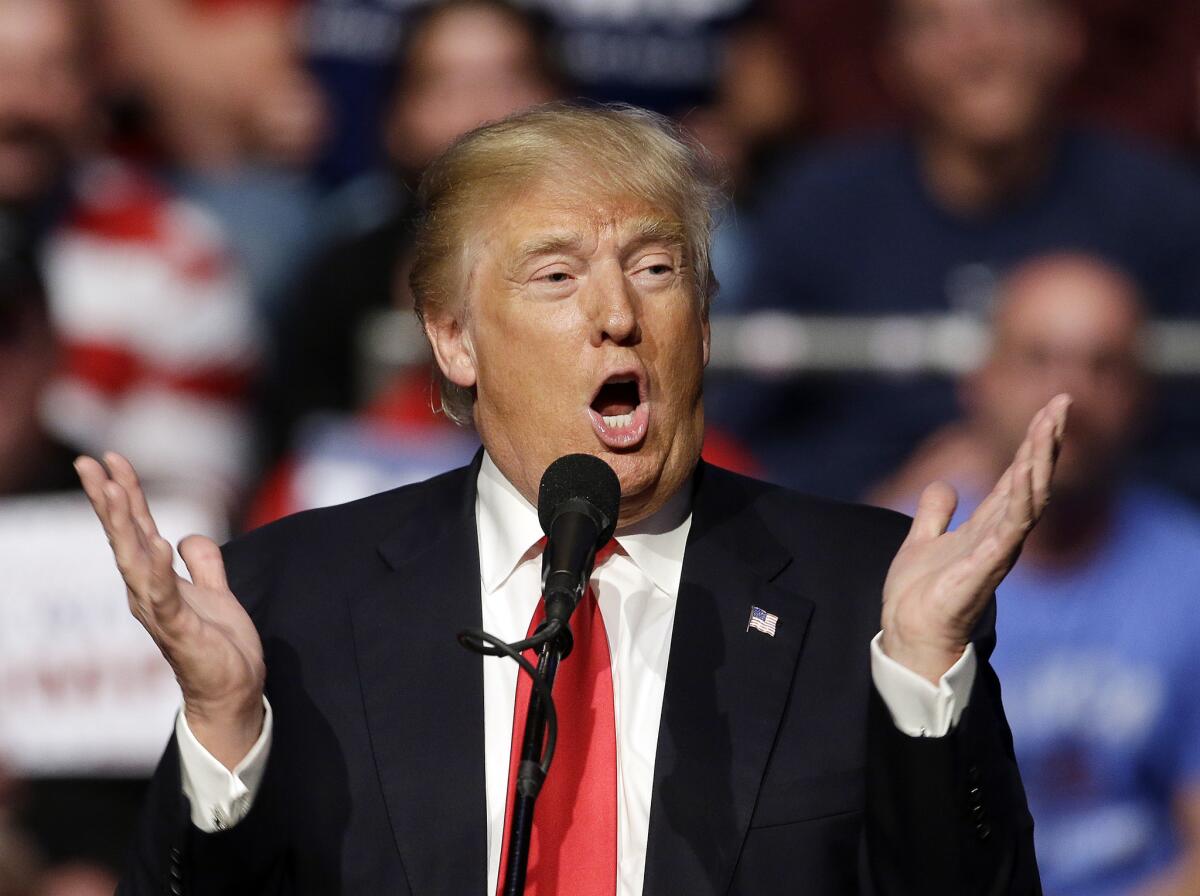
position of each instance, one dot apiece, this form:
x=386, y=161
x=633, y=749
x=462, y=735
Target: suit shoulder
x=355, y=523
x=794, y=516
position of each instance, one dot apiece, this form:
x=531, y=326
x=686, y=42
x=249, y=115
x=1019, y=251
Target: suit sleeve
x=947, y=816
x=170, y=855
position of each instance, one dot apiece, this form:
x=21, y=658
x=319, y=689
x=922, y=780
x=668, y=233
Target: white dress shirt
x=636, y=588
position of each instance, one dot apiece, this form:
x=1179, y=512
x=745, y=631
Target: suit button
x=176, y=855
x=176, y=889
x=983, y=830
x=977, y=812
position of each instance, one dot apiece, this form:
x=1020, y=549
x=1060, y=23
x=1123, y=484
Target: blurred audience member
x=236, y=115
x=752, y=122
x=156, y=329
x=223, y=78
x=464, y=62
x=31, y=460
x=45, y=107
x=1138, y=73
x=1098, y=623
x=927, y=220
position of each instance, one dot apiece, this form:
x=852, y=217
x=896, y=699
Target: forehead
x=1073, y=309
x=548, y=217
x=30, y=27
x=466, y=37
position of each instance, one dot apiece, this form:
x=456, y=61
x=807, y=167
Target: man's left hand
x=940, y=582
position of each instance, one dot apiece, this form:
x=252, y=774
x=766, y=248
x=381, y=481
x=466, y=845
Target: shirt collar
x=509, y=532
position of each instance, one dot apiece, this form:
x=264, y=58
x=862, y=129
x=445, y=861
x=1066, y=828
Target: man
x=562, y=275
x=923, y=221
x=1099, y=629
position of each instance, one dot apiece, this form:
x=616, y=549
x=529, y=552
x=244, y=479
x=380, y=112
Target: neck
x=1071, y=528
x=969, y=179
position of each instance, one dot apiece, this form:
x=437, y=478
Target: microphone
x=578, y=503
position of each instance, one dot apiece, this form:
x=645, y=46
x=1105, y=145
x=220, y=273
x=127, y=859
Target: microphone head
x=579, y=478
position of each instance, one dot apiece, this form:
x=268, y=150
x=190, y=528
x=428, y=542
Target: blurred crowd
x=206, y=210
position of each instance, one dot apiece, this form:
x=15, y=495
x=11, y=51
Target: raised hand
x=199, y=626
x=940, y=582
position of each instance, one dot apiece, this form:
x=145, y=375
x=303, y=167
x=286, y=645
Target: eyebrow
x=657, y=230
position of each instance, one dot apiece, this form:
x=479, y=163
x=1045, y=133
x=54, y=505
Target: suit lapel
x=424, y=693
x=725, y=692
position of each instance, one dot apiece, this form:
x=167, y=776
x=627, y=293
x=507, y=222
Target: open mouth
x=619, y=411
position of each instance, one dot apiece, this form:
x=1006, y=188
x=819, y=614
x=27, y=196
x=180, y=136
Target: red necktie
x=573, y=848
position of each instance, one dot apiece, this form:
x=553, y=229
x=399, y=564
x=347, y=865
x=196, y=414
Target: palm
x=218, y=646
x=201, y=629
x=940, y=582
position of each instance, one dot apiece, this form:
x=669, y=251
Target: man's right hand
x=199, y=626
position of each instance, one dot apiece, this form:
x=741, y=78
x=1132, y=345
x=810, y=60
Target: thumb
x=934, y=512
x=203, y=560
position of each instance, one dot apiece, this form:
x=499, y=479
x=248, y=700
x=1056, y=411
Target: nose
x=616, y=310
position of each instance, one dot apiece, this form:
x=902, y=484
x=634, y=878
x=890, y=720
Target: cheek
x=527, y=355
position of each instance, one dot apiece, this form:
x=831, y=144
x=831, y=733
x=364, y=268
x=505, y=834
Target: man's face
x=43, y=96
x=982, y=71
x=1065, y=326
x=583, y=333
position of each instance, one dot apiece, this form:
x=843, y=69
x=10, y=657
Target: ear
x=706, y=335
x=452, y=349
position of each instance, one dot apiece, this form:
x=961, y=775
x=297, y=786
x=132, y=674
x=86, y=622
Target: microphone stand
x=529, y=772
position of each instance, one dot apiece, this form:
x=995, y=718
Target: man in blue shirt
x=1099, y=623
x=928, y=220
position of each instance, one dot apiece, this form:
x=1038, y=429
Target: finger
x=935, y=509
x=995, y=507
x=1042, y=464
x=124, y=473
x=204, y=562
x=1020, y=514
x=165, y=605
x=92, y=477
x=1047, y=436
x=1060, y=409
x=126, y=540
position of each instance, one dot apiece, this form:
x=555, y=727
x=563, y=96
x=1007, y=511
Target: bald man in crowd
x=1099, y=622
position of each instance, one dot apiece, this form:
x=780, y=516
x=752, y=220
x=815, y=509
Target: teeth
x=620, y=421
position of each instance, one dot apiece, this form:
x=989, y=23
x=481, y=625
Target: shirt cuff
x=220, y=798
x=918, y=707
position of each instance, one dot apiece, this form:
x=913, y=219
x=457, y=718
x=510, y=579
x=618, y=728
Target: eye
x=555, y=277
x=659, y=269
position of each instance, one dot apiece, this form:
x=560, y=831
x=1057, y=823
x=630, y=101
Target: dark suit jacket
x=778, y=768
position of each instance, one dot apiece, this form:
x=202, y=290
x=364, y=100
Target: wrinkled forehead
x=553, y=217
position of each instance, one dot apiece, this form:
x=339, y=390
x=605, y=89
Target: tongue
x=616, y=399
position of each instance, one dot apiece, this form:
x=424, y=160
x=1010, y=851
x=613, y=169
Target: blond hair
x=603, y=151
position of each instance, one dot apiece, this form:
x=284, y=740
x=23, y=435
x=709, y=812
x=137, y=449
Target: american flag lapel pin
x=763, y=621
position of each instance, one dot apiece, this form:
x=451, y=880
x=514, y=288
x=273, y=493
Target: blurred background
x=939, y=214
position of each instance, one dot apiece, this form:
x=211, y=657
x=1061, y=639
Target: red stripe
x=115, y=370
